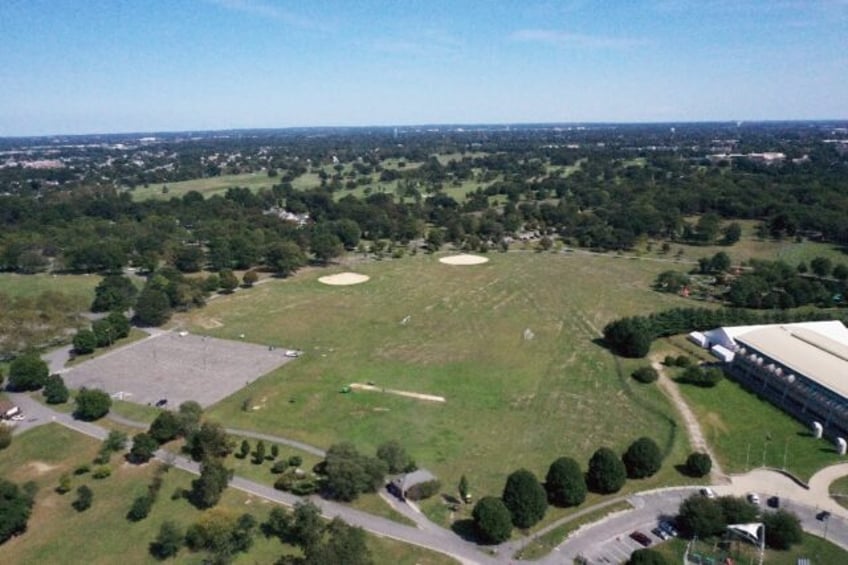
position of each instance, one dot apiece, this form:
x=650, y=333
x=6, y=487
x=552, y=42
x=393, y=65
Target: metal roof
x=816, y=350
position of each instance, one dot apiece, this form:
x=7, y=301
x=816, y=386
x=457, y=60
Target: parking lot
x=177, y=367
x=609, y=541
x=617, y=549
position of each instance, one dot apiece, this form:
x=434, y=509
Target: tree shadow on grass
x=466, y=530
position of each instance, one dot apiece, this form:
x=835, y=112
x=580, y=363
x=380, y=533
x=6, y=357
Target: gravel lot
x=178, y=368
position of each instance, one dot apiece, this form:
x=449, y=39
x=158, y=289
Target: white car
x=18, y=417
x=293, y=353
x=708, y=492
x=753, y=498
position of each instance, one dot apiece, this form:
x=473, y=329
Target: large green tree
x=55, y=391
x=643, y=458
x=701, y=516
x=206, y=490
x=115, y=293
x=393, y=454
x=209, y=441
x=349, y=473
x=565, y=483
x=27, y=372
x=783, y=529
x=698, y=464
x=143, y=448
x=165, y=427
x=91, y=404
x=153, y=307
x=525, y=498
x=492, y=520
x=285, y=257
x=606, y=473
x=168, y=541
x=85, y=342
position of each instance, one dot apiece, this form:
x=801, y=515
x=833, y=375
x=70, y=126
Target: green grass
x=508, y=399
x=746, y=432
x=58, y=534
x=545, y=543
x=817, y=550
x=839, y=491
x=747, y=248
x=79, y=287
x=206, y=186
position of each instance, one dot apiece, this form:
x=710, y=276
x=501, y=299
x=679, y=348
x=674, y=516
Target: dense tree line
x=632, y=336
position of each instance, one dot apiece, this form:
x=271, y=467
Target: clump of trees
x=347, y=473
x=15, y=509
x=705, y=517
x=702, y=377
x=55, y=391
x=103, y=333
x=632, y=336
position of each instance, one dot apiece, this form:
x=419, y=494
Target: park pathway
x=693, y=428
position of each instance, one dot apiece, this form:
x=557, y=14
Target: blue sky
x=87, y=66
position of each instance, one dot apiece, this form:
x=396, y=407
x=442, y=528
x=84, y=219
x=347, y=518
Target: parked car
x=753, y=498
x=823, y=515
x=640, y=538
x=668, y=528
x=18, y=417
x=660, y=533
x=708, y=492
x=773, y=502
x=161, y=402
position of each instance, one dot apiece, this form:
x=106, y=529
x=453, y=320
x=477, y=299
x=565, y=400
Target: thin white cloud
x=427, y=43
x=269, y=11
x=565, y=38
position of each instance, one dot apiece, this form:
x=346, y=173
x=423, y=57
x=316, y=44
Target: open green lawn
x=511, y=401
x=749, y=247
x=79, y=287
x=747, y=432
x=817, y=550
x=206, y=186
x=58, y=534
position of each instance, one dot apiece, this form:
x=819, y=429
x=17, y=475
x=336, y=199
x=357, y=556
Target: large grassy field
x=208, y=186
x=58, y=534
x=79, y=287
x=511, y=401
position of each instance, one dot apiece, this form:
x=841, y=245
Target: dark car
x=668, y=528
x=161, y=402
x=823, y=515
x=640, y=538
x=773, y=502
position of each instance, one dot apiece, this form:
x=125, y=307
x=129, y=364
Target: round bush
x=645, y=375
x=698, y=464
x=643, y=458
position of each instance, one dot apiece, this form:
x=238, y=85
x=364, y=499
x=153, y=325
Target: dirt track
x=417, y=395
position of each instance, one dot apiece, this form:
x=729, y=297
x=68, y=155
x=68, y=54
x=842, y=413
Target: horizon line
x=738, y=122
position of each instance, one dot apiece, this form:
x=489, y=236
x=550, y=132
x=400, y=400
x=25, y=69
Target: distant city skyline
x=112, y=66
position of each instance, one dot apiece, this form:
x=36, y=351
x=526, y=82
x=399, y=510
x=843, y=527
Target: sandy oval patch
x=343, y=279
x=463, y=259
